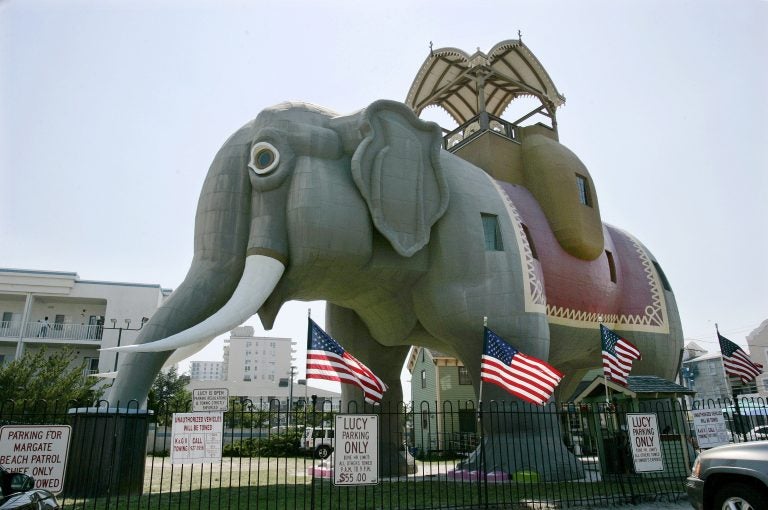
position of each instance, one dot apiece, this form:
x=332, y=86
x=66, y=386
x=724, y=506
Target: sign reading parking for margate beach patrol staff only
x=39, y=451
x=356, y=450
x=644, y=438
x=213, y=399
x=196, y=438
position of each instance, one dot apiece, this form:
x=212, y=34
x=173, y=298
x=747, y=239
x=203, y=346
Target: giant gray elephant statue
x=408, y=244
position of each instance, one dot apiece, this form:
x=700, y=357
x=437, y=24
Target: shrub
x=278, y=445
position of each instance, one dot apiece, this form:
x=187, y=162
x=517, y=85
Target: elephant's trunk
x=259, y=279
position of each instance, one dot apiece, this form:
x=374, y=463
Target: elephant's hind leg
x=386, y=362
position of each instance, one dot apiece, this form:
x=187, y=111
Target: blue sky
x=111, y=111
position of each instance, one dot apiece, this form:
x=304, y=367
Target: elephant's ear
x=397, y=170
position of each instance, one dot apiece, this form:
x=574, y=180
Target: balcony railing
x=473, y=128
x=10, y=329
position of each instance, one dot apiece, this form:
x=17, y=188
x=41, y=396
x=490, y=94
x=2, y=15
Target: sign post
x=356, y=450
x=39, y=451
x=644, y=438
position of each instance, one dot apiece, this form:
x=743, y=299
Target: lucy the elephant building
x=413, y=238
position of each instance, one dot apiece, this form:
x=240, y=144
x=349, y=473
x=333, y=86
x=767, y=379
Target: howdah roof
x=452, y=79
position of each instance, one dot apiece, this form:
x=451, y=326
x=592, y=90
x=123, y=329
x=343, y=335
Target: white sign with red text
x=39, y=451
x=196, y=438
x=710, y=427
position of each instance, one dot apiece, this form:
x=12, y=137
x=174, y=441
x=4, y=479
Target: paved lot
x=682, y=504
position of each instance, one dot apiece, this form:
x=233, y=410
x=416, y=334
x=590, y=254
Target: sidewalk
x=681, y=504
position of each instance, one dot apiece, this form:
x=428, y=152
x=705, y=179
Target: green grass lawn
x=272, y=483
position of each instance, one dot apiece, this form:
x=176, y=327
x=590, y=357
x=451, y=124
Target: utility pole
x=120, y=330
x=292, y=374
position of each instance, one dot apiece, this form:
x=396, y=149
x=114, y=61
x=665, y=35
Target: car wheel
x=739, y=496
x=322, y=452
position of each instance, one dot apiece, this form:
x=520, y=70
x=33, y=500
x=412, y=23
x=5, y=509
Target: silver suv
x=730, y=477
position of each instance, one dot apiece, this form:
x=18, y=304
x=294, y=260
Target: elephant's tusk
x=185, y=352
x=106, y=375
x=260, y=276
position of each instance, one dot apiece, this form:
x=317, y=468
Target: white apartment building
x=56, y=309
x=206, y=371
x=260, y=360
x=258, y=368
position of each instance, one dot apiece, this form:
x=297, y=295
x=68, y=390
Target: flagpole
x=737, y=424
x=605, y=378
x=314, y=410
x=485, y=325
x=482, y=463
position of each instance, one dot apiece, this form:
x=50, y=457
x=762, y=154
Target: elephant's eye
x=264, y=158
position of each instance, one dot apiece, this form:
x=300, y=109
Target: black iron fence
x=442, y=456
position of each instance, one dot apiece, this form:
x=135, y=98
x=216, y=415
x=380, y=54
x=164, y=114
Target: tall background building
x=254, y=367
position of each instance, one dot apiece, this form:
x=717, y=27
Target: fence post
x=483, y=485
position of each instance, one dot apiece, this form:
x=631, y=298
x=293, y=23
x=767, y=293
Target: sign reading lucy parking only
x=196, y=438
x=356, y=450
x=645, y=441
x=39, y=451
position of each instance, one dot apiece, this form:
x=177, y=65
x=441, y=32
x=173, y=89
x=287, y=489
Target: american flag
x=618, y=354
x=328, y=360
x=524, y=376
x=736, y=361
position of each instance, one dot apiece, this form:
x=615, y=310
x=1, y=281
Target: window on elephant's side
x=492, y=232
x=584, y=196
x=662, y=277
x=528, y=238
x=611, y=265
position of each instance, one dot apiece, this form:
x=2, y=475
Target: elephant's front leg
x=386, y=362
x=517, y=437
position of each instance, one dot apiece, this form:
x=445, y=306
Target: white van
x=319, y=441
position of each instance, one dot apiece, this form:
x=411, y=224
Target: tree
x=169, y=393
x=54, y=378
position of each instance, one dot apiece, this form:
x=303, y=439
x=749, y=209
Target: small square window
x=464, y=376
x=584, y=192
x=492, y=232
